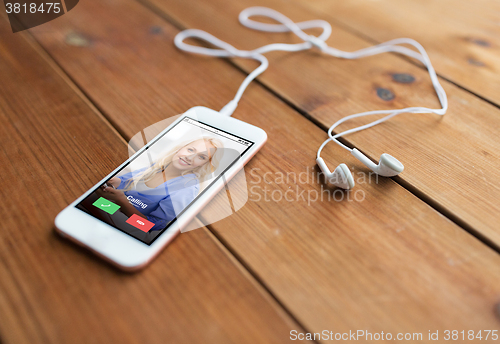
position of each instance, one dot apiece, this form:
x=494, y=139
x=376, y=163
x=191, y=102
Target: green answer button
x=108, y=206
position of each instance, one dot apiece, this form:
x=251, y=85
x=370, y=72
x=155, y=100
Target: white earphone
x=388, y=166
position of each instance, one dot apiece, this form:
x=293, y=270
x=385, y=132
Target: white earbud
x=388, y=165
x=341, y=177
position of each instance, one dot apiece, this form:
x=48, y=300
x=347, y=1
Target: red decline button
x=140, y=222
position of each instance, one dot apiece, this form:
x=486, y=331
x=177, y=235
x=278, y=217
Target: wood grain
x=451, y=161
x=387, y=262
x=462, y=37
x=53, y=148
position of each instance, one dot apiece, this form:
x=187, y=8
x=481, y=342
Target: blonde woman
x=158, y=193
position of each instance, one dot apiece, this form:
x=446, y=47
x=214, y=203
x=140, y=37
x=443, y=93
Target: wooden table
x=419, y=253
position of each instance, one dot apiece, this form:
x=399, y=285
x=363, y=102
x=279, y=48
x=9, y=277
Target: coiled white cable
x=287, y=25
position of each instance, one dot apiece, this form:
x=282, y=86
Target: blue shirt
x=163, y=203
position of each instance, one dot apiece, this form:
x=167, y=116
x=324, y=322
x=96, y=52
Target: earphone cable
x=287, y=25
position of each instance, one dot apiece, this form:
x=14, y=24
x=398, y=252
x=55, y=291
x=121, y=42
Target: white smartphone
x=135, y=211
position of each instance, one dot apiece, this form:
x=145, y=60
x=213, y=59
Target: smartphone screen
x=148, y=194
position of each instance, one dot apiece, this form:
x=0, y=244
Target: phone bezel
x=129, y=253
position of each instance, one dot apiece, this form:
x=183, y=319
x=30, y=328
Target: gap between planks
x=373, y=41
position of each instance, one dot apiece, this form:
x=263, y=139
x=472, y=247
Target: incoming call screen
x=146, y=196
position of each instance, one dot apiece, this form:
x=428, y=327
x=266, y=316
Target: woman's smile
x=184, y=162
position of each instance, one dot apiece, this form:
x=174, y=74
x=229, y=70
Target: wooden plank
x=53, y=148
x=451, y=161
x=388, y=262
x=462, y=37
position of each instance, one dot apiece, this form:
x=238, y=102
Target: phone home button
x=98, y=239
